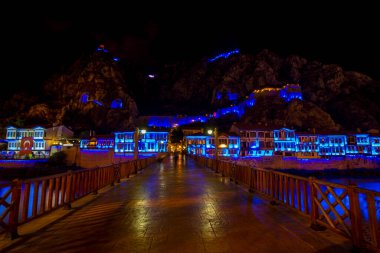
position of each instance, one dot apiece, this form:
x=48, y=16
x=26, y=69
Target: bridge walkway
x=176, y=206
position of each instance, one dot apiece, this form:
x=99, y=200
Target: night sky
x=36, y=45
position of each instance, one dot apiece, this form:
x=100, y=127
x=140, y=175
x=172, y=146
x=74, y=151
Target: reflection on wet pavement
x=176, y=206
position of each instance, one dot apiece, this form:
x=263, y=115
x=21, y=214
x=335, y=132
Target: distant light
x=116, y=59
x=151, y=76
x=224, y=55
x=209, y=131
x=97, y=102
x=143, y=131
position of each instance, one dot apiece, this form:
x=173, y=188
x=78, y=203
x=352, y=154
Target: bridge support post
x=13, y=215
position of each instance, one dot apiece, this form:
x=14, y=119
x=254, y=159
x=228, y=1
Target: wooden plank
x=43, y=197
x=373, y=223
x=281, y=195
x=56, y=191
x=25, y=204
x=338, y=199
x=306, y=197
x=286, y=190
x=337, y=216
x=35, y=198
x=292, y=192
x=298, y=192
x=324, y=214
x=63, y=190
x=50, y=194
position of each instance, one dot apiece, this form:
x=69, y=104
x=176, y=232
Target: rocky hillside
x=91, y=94
x=333, y=98
x=82, y=96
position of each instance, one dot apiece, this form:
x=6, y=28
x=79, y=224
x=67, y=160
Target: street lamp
x=136, y=138
x=215, y=133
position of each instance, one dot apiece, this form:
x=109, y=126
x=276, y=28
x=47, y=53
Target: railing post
x=67, y=205
x=13, y=215
x=135, y=166
x=314, y=207
x=232, y=177
x=355, y=215
x=116, y=173
x=251, y=179
x=96, y=181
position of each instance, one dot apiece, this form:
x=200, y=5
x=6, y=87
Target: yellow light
x=209, y=131
x=222, y=146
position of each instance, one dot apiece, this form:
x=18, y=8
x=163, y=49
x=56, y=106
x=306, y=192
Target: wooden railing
x=24, y=200
x=348, y=210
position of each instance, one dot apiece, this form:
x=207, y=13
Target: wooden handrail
x=52, y=192
x=317, y=198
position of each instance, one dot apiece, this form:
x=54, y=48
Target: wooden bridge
x=179, y=205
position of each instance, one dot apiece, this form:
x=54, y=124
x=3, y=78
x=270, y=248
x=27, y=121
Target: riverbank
x=312, y=164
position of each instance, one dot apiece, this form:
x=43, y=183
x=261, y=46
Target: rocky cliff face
x=333, y=98
x=91, y=94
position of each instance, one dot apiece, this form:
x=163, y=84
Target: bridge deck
x=179, y=207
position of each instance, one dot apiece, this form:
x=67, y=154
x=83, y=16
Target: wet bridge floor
x=177, y=206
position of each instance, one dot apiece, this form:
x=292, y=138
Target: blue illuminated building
x=307, y=145
x=254, y=142
x=196, y=144
x=205, y=145
x=148, y=142
x=15, y=136
x=332, y=145
x=98, y=142
x=375, y=144
x=358, y=144
x=224, y=55
x=284, y=142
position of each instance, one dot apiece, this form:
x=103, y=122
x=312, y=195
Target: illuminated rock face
x=332, y=96
x=92, y=95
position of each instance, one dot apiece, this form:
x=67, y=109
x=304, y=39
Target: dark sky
x=37, y=44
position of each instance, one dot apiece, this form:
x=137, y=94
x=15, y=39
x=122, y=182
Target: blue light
x=232, y=96
x=117, y=104
x=116, y=59
x=97, y=102
x=224, y=55
x=84, y=98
